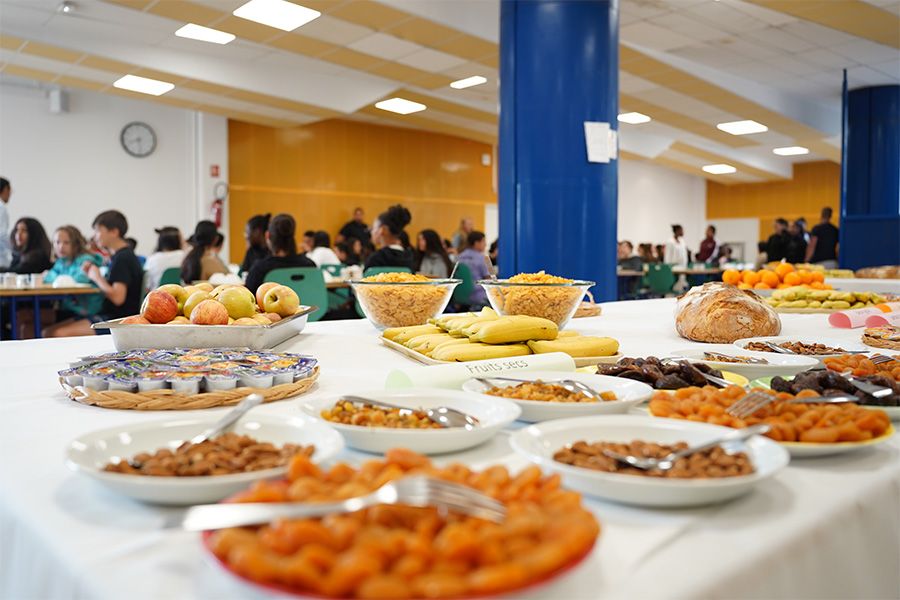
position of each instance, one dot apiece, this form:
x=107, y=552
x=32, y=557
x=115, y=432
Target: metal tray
x=262, y=337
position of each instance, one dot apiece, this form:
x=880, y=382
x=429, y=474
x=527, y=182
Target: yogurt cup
x=122, y=381
x=72, y=377
x=254, y=378
x=95, y=377
x=221, y=380
x=185, y=382
x=152, y=380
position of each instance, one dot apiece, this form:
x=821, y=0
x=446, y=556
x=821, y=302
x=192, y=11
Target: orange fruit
x=783, y=269
x=751, y=278
x=762, y=286
x=792, y=279
x=818, y=276
x=817, y=285
x=731, y=276
x=745, y=286
x=805, y=276
x=770, y=278
x=782, y=286
x=826, y=286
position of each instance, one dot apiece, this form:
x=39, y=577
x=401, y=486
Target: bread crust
x=720, y=313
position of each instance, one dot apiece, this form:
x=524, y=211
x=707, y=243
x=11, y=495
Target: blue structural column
x=870, y=178
x=559, y=63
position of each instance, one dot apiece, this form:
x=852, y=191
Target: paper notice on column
x=454, y=375
x=597, y=138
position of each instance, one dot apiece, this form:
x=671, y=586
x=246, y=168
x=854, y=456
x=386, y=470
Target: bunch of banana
x=455, y=324
x=577, y=346
x=401, y=335
x=467, y=351
x=426, y=344
x=798, y=297
x=510, y=329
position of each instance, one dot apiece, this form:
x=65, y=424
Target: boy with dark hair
x=121, y=287
x=776, y=247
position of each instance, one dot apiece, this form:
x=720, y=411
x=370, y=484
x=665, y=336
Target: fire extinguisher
x=221, y=194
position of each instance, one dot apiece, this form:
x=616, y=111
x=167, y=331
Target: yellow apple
x=261, y=293
x=238, y=301
x=193, y=300
x=281, y=300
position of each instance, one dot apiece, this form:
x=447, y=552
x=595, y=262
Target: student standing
x=709, y=247
x=823, y=242
x=5, y=246
x=776, y=246
x=676, y=252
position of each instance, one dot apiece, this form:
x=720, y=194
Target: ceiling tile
x=631, y=84
x=51, y=52
x=467, y=46
x=725, y=17
x=749, y=50
x=866, y=52
x=890, y=68
x=817, y=34
x=186, y=12
x=826, y=58
x=301, y=44
x=778, y=38
x=688, y=26
x=653, y=36
x=352, y=59
x=772, y=17
x=472, y=68
x=333, y=30
x=369, y=14
x=423, y=31
x=857, y=76
x=385, y=46
x=710, y=56
x=431, y=60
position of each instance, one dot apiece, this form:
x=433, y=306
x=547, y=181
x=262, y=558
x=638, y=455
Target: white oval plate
x=539, y=442
x=892, y=411
x=807, y=450
x=778, y=364
x=493, y=416
x=89, y=453
x=628, y=392
x=778, y=339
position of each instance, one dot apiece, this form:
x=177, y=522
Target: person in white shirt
x=5, y=247
x=321, y=253
x=169, y=253
x=676, y=250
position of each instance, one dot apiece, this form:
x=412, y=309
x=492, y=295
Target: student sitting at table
x=344, y=252
x=474, y=257
x=255, y=235
x=31, y=248
x=71, y=252
x=432, y=258
x=321, y=252
x=628, y=260
x=387, y=236
x=203, y=261
x=122, y=285
x=280, y=239
x=169, y=255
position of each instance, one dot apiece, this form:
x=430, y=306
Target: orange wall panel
x=319, y=173
x=813, y=186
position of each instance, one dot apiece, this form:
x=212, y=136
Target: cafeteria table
x=824, y=527
x=36, y=295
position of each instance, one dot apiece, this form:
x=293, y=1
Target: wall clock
x=138, y=139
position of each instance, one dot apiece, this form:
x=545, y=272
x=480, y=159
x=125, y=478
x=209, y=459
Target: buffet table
x=823, y=528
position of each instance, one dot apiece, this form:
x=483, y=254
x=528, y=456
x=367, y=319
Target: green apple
x=205, y=286
x=217, y=291
x=193, y=300
x=178, y=292
x=281, y=300
x=239, y=302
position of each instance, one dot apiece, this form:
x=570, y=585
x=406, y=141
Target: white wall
x=66, y=168
x=739, y=233
x=652, y=198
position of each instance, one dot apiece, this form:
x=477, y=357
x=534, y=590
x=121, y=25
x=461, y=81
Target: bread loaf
x=721, y=313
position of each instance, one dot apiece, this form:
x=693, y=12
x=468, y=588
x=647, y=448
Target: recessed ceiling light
x=742, y=127
x=400, y=106
x=791, y=151
x=721, y=169
x=634, y=118
x=144, y=85
x=279, y=14
x=468, y=82
x=204, y=34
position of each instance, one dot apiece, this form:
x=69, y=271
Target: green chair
x=336, y=298
x=333, y=270
x=659, y=279
x=375, y=271
x=309, y=285
x=463, y=291
x=171, y=275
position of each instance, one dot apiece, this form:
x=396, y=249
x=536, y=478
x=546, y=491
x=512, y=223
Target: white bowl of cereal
x=402, y=299
x=538, y=295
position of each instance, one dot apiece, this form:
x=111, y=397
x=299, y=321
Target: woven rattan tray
x=170, y=400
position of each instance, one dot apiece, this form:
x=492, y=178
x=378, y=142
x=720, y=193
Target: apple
x=230, y=321
x=180, y=320
x=239, y=302
x=274, y=317
x=221, y=288
x=281, y=300
x=190, y=289
x=205, y=286
x=261, y=319
x=135, y=320
x=193, y=300
x=178, y=292
x=209, y=312
x=261, y=293
x=245, y=321
x=159, y=307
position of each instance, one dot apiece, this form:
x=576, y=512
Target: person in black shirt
x=122, y=285
x=280, y=239
x=31, y=247
x=823, y=242
x=776, y=247
x=255, y=234
x=796, y=245
x=355, y=229
x=387, y=236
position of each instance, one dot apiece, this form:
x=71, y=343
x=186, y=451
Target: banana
x=820, y=295
x=477, y=351
x=518, y=328
x=579, y=346
x=401, y=335
x=442, y=321
x=569, y=333
x=424, y=343
x=814, y=304
x=858, y=305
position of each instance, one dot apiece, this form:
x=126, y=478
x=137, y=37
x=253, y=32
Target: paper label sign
x=452, y=376
x=601, y=141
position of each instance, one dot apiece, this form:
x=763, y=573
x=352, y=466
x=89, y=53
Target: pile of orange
x=783, y=275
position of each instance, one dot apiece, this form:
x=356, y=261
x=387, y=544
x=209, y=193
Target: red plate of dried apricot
x=392, y=551
x=804, y=429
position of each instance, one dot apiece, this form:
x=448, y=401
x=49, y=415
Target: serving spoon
x=230, y=418
x=442, y=415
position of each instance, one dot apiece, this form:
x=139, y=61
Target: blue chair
x=375, y=271
x=309, y=284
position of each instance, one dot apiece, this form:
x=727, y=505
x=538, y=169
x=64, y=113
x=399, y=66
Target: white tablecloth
x=823, y=528
x=850, y=284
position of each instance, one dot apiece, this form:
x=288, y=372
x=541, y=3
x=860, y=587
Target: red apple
x=261, y=293
x=179, y=293
x=159, y=307
x=245, y=321
x=135, y=320
x=274, y=317
x=281, y=300
x=179, y=320
x=209, y=312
